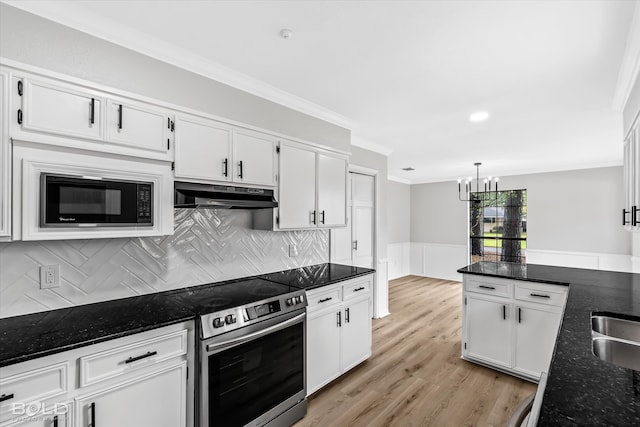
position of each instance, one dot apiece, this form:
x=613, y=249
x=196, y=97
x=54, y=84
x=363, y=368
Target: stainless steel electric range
x=251, y=353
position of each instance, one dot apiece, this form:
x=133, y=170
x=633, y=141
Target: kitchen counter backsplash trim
x=207, y=246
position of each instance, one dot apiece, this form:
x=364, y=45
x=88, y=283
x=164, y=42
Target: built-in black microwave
x=85, y=201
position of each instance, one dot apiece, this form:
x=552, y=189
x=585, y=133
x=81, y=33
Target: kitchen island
x=581, y=389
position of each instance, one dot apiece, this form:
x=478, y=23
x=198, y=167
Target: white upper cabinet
x=208, y=150
x=297, y=179
x=312, y=188
x=332, y=193
x=138, y=125
x=202, y=149
x=254, y=157
x=631, y=210
x=60, y=109
x=51, y=109
x=5, y=169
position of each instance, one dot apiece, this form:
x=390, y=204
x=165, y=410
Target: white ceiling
x=406, y=75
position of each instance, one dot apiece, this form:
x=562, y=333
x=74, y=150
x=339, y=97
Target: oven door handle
x=240, y=340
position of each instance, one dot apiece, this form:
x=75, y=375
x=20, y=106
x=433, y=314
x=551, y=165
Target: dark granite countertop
x=316, y=276
x=40, y=334
x=582, y=390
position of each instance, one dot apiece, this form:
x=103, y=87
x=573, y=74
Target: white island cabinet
x=511, y=325
x=338, y=329
x=139, y=380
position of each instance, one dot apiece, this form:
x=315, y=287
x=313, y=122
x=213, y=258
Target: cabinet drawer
x=119, y=361
x=543, y=294
x=320, y=300
x=489, y=287
x=32, y=386
x=357, y=289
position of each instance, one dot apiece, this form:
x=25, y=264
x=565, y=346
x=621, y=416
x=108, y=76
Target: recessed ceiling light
x=286, y=33
x=479, y=116
x=408, y=169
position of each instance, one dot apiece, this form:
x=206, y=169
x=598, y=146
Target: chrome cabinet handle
x=225, y=163
x=361, y=288
x=322, y=217
x=504, y=312
x=6, y=397
x=325, y=300
x=240, y=169
x=487, y=287
x=313, y=217
x=93, y=415
x=339, y=319
x=120, y=117
x=346, y=315
x=144, y=356
x=519, y=315
x=92, y=109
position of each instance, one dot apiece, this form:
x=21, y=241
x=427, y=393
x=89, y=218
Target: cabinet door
x=535, y=335
x=62, y=110
x=297, y=187
x=5, y=171
x=355, y=342
x=362, y=200
x=137, y=125
x=253, y=158
x=157, y=400
x=323, y=349
x=332, y=191
x=488, y=330
x=202, y=149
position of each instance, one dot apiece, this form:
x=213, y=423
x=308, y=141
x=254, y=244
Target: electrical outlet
x=49, y=276
x=293, y=250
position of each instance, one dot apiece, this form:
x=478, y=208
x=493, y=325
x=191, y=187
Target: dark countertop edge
x=523, y=279
x=331, y=282
x=15, y=360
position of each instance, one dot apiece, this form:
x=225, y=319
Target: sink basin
x=621, y=353
x=616, y=327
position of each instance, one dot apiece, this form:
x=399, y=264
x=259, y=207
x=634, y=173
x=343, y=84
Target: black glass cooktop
x=207, y=299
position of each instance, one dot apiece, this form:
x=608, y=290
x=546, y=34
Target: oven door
x=74, y=201
x=252, y=375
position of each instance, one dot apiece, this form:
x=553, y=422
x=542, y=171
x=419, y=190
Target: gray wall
x=398, y=212
x=371, y=160
x=34, y=40
x=567, y=211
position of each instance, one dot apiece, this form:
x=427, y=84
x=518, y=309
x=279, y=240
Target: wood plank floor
x=415, y=376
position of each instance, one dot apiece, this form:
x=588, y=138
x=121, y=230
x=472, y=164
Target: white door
x=297, y=198
x=202, y=149
x=323, y=349
x=138, y=126
x=535, y=334
x=341, y=238
x=159, y=400
x=488, y=329
x=355, y=342
x=362, y=194
x=62, y=110
x=254, y=158
x=332, y=188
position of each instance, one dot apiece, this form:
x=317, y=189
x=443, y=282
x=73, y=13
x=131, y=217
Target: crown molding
x=630, y=66
x=67, y=15
x=368, y=145
x=398, y=179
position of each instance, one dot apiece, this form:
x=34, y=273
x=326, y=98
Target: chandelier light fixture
x=490, y=188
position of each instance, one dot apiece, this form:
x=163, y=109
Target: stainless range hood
x=192, y=195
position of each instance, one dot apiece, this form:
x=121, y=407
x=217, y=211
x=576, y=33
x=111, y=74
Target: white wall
x=34, y=40
x=399, y=217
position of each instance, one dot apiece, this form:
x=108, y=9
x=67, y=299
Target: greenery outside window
x=498, y=227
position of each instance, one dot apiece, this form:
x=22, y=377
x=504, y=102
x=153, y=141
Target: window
x=498, y=227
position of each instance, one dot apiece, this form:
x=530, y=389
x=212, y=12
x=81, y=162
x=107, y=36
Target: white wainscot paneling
x=398, y=255
x=589, y=260
x=440, y=261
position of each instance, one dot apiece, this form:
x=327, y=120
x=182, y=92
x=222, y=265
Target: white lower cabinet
x=138, y=380
x=154, y=400
x=488, y=329
x=338, y=330
x=511, y=325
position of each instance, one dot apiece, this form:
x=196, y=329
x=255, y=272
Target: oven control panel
x=238, y=317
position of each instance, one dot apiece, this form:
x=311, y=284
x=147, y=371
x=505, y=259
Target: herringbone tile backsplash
x=207, y=246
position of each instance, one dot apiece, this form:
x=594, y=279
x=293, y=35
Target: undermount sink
x=616, y=327
x=616, y=340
